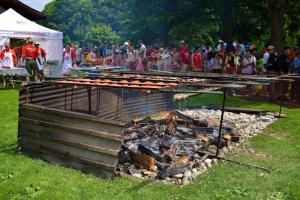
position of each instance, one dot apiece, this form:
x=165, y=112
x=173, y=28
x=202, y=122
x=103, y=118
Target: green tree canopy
x=168, y=21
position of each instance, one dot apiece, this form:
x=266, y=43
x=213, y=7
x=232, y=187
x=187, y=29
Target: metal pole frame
x=221, y=121
x=89, y=91
x=65, y=97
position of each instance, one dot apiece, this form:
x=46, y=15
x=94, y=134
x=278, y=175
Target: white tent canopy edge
x=14, y=25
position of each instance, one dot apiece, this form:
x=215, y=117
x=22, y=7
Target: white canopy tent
x=14, y=25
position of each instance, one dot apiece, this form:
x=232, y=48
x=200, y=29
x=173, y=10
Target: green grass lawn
x=26, y=178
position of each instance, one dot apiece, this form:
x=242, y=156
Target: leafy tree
x=81, y=21
x=169, y=21
x=99, y=34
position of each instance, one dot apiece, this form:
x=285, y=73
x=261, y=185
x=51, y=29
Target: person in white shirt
x=266, y=57
x=131, y=58
x=248, y=63
x=143, y=49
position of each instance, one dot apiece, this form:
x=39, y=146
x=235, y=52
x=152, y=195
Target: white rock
x=185, y=180
x=194, y=170
x=179, y=181
x=137, y=175
x=203, y=169
x=178, y=175
x=251, y=151
x=208, y=161
x=208, y=165
x=187, y=173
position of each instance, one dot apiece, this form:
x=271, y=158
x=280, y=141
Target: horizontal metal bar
x=62, y=140
x=193, y=92
x=63, y=155
x=100, y=134
x=70, y=114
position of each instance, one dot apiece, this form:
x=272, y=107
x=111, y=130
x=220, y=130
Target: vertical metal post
x=122, y=100
x=280, y=108
x=65, y=97
x=89, y=90
x=147, y=103
x=221, y=122
x=281, y=100
x=117, y=107
x=72, y=98
x=31, y=96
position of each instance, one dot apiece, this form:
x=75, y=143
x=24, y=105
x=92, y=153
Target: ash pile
x=179, y=147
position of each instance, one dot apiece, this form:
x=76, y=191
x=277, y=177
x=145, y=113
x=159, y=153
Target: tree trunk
x=275, y=12
x=228, y=20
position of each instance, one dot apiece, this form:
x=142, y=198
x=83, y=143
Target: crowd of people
x=231, y=57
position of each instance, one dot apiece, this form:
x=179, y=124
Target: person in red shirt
x=41, y=60
x=29, y=54
x=69, y=59
x=184, y=55
x=197, y=60
x=8, y=57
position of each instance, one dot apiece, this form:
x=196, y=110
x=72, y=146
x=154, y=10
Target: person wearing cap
x=124, y=51
x=41, y=60
x=29, y=54
x=220, y=43
x=8, y=57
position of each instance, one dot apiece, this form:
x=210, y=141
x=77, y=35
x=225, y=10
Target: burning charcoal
x=147, y=120
x=150, y=152
x=170, y=128
x=202, y=137
x=205, y=130
x=124, y=157
x=185, y=130
x=182, y=119
x=145, y=162
x=173, y=152
x=161, y=165
x=172, y=170
x=227, y=139
x=181, y=160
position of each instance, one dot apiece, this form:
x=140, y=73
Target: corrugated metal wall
x=72, y=139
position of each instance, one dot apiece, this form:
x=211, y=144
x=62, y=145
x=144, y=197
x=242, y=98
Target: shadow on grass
x=9, y=148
